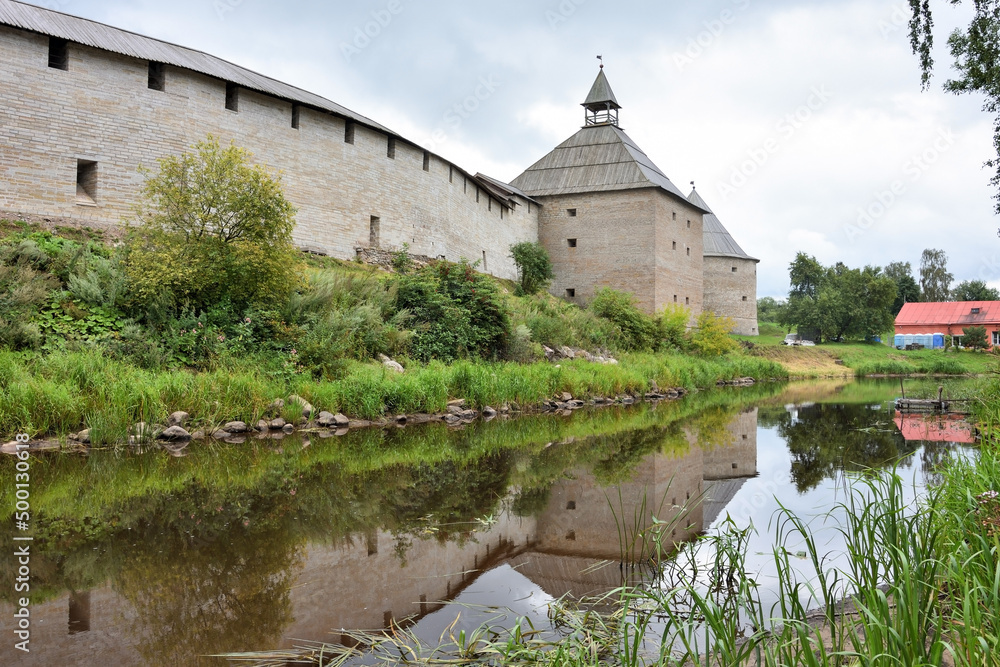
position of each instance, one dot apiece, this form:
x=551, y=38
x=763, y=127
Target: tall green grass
x=60, y=393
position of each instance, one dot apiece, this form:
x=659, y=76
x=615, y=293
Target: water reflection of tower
x=727, y=467
x=585, y=521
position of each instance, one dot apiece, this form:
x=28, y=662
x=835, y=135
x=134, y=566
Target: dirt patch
x=804, y=361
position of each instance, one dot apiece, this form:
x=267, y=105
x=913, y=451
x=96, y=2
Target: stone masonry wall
x=625, y=240
x=733, y=293
x=102, y=111
x=680, y=239
x=737, y=456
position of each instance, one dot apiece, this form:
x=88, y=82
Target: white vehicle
x=796, y=339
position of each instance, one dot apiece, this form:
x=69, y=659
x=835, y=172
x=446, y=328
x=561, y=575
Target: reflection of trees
x=933, y=457
x=827, y=438
x=229, y=595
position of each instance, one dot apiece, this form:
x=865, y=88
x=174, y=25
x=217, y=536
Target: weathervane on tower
x=601, y=58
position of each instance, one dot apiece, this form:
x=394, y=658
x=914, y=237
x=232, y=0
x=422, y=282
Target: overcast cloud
x=802, y=123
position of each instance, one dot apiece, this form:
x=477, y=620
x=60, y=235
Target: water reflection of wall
x=369, y=582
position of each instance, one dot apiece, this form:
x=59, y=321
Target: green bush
x=711, y=336
x=533, y=265
x=639, y=331
x=672, y=325
x=456, y=312
x=23, y=289
x=974, y=338
x=212, y=227
x=555, y=323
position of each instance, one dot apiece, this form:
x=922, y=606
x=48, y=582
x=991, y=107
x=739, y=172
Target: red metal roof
x=944, y=313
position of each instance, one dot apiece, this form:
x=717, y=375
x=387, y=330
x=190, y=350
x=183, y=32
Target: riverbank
x=62, y=393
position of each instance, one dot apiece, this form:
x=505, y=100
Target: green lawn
x=865, y=358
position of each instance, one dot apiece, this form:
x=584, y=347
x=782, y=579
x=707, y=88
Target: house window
x=687, y=301
x=675, y=298
x=675, y=245
x=427, y=161
x=744, y=299
x=349, y=132
x=571, y=505
x=157, y=76
x=390, y=148
x=232, y=97
x=689, y=224
x=996, y=338
x=689, y=252
x=374, y=230
x=734, y=269
x=295, y=116
x=571, y=243
x=975, y=311
x=485, y=268
x=86, y=182
x=675, y=215
x=570, y=293
x=571, y=212
x=58, y=53
x=451, y=174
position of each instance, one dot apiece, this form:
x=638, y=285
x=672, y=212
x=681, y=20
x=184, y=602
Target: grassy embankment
x=60, y=393
x=864, y=359
x=78, y=350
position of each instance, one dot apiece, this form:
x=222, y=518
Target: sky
x=803, y=124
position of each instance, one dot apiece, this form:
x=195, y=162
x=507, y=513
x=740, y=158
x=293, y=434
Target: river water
x=149, y=558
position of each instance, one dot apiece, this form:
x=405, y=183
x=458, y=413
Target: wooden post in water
x=901, y=389
x=940, y=402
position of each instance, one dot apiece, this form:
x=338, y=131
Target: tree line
x=837, y=302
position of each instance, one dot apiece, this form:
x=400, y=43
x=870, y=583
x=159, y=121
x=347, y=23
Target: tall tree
x=974, y=290
x=976, y=50
x=806, y=276
x=935, y=281
x=838, y=301
x=769, y=309
x=907, y=289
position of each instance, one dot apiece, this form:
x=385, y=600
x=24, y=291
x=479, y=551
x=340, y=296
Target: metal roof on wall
x=718, y=242
x=600, y=158
x=116, y=40
x=107, y=38
x=944, y=313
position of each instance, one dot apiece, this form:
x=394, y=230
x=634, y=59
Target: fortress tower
x=611, y=218
x=730, y=274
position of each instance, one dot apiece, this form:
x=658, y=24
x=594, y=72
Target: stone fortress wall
x=74, y=135
x=94, y=123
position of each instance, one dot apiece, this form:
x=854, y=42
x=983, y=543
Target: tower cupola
x=601, y=107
